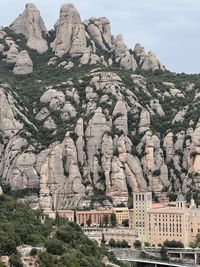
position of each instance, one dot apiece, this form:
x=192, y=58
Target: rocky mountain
x=84, y=120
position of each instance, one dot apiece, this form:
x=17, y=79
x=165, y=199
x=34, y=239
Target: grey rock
x=144, y=121
x=24, y=64
x=31, y=25
x=70, y=33
x=151, y=63
x=122, y=54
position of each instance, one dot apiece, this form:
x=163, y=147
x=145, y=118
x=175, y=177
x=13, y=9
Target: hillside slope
x=64, y=242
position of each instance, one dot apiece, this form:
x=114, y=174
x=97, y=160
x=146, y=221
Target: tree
x=105, y=219
x=103, y=241
x=118, y=244
x=113, y=219
x=89, y=221
x=124, y=244
x=7, y=246
x=125, y=223
x=147, y=244
x=192, y=245
x=112, y=243
x=15, y=261
x=54, y=246
x=33, y=252
x=137, y=244
x=163, y=254
x=173, y=244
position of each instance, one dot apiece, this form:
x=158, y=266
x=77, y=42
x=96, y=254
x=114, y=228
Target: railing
x=166, y=263
x=192, y=250
x=133, y=255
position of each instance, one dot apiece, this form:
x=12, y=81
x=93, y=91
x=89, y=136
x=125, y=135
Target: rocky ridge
x=89, y=121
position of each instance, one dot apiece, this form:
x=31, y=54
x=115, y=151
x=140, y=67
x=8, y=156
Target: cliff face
x=89, y=121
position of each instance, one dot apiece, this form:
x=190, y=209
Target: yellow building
x=142, y=203
x=122, y=213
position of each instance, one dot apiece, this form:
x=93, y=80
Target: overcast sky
x=169, y=28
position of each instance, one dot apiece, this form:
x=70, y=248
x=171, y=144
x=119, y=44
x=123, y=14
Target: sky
x=169, y=28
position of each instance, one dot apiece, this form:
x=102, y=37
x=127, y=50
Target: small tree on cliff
x=89, y=221
x=137, y=244
x=105, y=219
x=113, y=219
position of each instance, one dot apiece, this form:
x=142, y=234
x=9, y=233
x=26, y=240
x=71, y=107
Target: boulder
x=12, y=54
x=24, y=64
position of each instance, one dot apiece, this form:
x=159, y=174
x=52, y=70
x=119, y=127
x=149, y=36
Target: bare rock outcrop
x=70, y=33
x=120, y=115
x=31, y=25
x=151, y=63
x=24, y=64
x=168, y=145
x=144, y=121
x=195, y=151
x=122, y=54
x=12, y=54
x=94, y=132
x=9, y=125
x=99, y=31
x=140, y=53
x=119, y=191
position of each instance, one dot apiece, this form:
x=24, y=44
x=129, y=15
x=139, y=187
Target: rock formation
x=152, y=63
x=70, y=33
x=31, y=25
x=122, y=54
x=24, y=64
x=195, y=151
x=88, y=129
x=99, y=31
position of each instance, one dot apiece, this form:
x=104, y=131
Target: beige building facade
x=142, y=203
x=97, y=217
x=158, y=222
x=168, y=223
x=122, y=213
x=117, y=233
